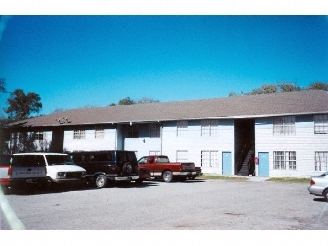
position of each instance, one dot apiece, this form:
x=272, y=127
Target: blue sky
x=76, y=61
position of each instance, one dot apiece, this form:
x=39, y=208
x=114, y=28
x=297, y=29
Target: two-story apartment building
x=283, y=134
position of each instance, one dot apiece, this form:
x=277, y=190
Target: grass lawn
x=232, y=178
x=290, y=180
x=245, y=178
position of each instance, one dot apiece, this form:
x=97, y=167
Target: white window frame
x=182, y=128
x=321, y=161
x=79, y=134
x=99, y=132
x=154, y=152
x=182, y=156
x=321, y=124
x=284, y=125
x=154, y=131
x=209, y=158
x=39, y=136
x=284, y=160
x=209, y=128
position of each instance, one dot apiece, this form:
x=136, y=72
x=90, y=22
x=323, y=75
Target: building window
x=209, y=128
x=133, y=131
x=182, y=155
x=79, y=134
x=210, y=158
x=284, y=160
x=99, y=132
x=321, y=124
x=182, y=128
x=154, y=152
x=321, y=161
x=39, y=136
x=154, y=131
x=284, y=125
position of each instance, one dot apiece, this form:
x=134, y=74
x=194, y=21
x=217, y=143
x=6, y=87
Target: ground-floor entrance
x=244, y=147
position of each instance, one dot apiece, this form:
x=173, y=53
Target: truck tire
x=127, y=169
x=101, y=181
x=167, y=176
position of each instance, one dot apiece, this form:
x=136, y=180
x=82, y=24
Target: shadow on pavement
x=319, y=199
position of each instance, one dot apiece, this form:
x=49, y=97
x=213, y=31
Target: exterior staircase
x=244, y=169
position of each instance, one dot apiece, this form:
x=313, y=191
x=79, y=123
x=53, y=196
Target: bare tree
x=318, y=86
x=146, y=100
x=288, y=87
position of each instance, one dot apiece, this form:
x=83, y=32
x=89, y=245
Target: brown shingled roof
x=286, y=103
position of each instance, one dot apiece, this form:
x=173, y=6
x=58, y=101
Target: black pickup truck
x=101, y=166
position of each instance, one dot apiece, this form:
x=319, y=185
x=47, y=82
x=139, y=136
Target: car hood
x=68, y=168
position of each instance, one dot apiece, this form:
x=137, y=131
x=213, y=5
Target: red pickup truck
x=159, y=166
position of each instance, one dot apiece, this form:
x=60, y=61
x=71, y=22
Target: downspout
x=115, y=137
x=161, y=131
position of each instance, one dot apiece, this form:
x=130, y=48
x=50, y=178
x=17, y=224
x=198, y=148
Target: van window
x=24, y=160
x=59, y=160
x=17, y=160
x=28, y=161
x=40, y=160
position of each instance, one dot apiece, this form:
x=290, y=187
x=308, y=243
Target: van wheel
x=167, y=176
x=127, y=168
x=325, y=195
x=101, y=181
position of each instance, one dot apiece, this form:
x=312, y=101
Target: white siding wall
x=90, y=142
x=304, y=142
x=142, y=146
x=194, y=143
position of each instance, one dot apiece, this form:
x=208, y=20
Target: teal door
x=263, y=164
x=226, y=163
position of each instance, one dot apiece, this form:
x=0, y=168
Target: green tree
x=3, y=85
x=4, y=135
x=22, y=105
x=126, y=101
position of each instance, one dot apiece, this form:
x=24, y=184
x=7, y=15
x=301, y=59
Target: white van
x=45, y=168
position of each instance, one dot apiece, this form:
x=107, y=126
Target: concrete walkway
x=256, y=178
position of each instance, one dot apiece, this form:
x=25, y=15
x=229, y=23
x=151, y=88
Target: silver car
x=319, y=186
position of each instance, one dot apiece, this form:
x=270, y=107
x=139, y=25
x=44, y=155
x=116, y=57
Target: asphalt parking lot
x=154, y=205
